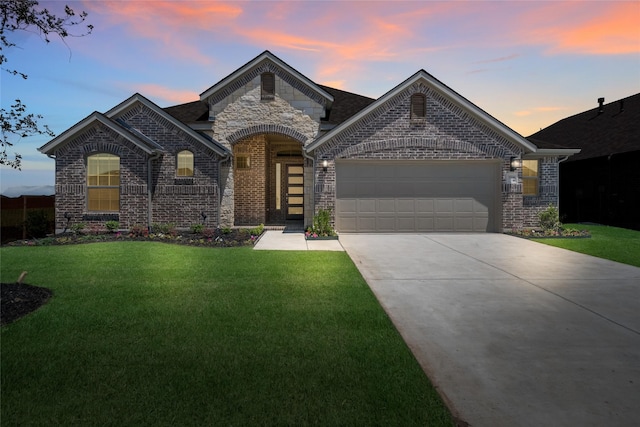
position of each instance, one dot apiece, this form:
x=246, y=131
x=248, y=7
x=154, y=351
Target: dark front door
x=295, y=192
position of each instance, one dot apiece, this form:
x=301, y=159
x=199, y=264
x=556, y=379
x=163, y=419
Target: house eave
x=50, y=147
x=542, y=152
x=444, y=90
x=211, y=144
x=266, y=55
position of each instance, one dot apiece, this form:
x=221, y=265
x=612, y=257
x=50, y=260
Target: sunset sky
x=527, y=63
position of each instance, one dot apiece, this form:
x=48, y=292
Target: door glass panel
x=296, y=200
x=296, y=170
x=296, y=180
x=278, y=186
x=296, y=190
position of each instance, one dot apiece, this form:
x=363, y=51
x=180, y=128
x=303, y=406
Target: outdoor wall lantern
x=325, y=165
x=515, y=163
x=203, y=214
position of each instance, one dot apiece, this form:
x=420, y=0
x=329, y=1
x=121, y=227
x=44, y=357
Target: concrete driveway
x=512, y=332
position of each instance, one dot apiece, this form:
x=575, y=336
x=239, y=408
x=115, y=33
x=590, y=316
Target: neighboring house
x=268, y=145
x=602, y=183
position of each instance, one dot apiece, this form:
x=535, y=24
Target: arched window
x=268, y=85
x=418, y=106
x=103, y=183
x=184, y=163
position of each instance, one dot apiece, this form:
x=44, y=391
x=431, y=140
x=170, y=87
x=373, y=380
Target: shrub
x=256, y=231
x=208, y=233
x=112, y=226
x=550, y=219
x=197, y=228
x=38, y=223
x=322, y=224
x=168, y=228
x=226, y=230
x=138, y=231
x=78, y=227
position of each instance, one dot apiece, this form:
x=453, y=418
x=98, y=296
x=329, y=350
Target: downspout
x=313, y=194
x=560, y=161
x=155, y=156
x=220, y=190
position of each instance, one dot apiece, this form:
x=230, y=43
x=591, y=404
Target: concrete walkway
x=512, y=332
x=278, y=240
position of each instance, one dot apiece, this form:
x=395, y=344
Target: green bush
x=168, y=228
x=78, y=227
x=38, y=223
x=256, y=231
x=322, y=224
x=550, y=219
x=197, y=228
x=112, y=226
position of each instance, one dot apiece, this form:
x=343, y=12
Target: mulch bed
x=19, y=299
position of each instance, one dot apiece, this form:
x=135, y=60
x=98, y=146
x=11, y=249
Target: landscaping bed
x=220, y=237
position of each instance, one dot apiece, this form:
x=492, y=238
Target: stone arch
x=266, y=129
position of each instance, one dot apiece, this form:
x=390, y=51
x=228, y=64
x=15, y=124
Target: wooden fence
x=15, y=211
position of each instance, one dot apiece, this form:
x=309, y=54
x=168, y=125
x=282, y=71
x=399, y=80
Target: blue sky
x=527, y=63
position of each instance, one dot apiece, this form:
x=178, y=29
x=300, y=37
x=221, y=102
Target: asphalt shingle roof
x=613, y=131
x=196, y=111
x=345, y=105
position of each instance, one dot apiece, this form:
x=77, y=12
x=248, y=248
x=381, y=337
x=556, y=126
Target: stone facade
x=241, y=116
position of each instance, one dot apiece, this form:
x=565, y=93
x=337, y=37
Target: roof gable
x=263, y=62
x=422, y=77
x=139, y=99
x=79, y=128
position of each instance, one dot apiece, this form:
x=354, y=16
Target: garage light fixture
x=325, y=165
x=515, y=163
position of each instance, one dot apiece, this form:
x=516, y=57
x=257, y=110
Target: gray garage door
x=417, y=196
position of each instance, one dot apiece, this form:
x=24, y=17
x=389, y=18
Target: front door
x=295, y=192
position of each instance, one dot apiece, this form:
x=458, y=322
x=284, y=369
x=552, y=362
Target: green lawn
x=616, y=244
x=142, y=333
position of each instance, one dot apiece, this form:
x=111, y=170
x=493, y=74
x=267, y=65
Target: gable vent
x=268, y=83
x=418, y=106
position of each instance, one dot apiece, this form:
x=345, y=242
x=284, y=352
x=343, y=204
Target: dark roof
x=190, y=112
x=345, y=104
x=612, y=131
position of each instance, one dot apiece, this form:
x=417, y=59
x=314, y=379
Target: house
x=268, y=145
x=600, y=184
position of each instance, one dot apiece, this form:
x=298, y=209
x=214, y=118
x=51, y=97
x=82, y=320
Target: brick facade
x=446, y=133
x=176, y=200
x=281, y=131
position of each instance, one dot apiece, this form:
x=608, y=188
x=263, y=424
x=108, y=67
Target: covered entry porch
x=269, y=180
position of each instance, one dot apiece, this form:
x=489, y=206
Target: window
x=103, y=183
x=242, y=162
x=530, y=177
x=418, y=106
x=268, y=82
x=185, y=163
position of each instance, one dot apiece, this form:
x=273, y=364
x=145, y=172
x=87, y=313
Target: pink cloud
x=171, y=96
x=594, y=28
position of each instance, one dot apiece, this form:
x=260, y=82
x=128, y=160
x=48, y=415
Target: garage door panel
x=399, y=196
x=366, y=224
x=386, y=207
x=405, y=206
